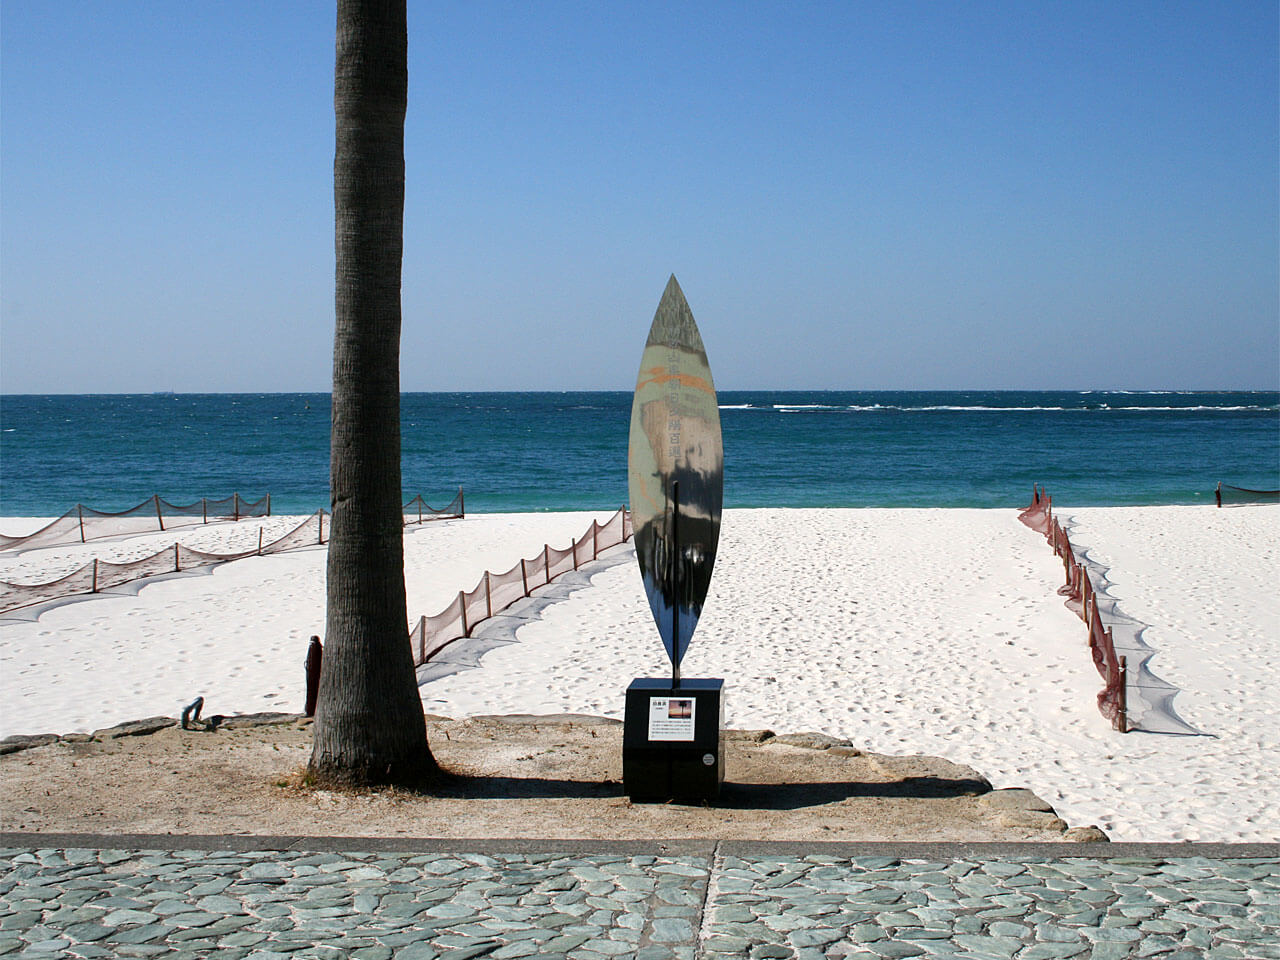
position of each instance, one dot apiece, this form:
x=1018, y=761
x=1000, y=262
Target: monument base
x=672, y=740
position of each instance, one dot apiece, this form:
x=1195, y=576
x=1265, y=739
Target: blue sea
x=563, y=451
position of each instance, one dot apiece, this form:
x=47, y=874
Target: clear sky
x=854, y=195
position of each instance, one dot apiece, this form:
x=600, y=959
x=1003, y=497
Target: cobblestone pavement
x=299, y=900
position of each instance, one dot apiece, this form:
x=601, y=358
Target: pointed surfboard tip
x=673, y=323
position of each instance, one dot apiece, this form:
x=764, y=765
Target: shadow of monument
x=733, y=796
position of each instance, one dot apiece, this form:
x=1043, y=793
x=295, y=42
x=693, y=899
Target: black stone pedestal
x=672, y=747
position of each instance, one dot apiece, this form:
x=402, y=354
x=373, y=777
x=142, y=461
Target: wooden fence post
x=573, y=548
x=546, y=562
x=462, y=602
x=95, y=574
x=1123, y=714
x=204, y=510
x=320, y=538
x=177, y=564
x=524, y=577
x=462, y=504
x=488, y=597
x=235, y=506
x=422, y=646
x=259, y=541
x=268, y=504
x=595, y=540
x=80, y=512
x=159, y=518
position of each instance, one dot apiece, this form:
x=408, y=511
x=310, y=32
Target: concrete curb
x=707, y=848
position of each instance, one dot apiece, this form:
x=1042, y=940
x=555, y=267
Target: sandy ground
x=510, y=777
x=907, y=632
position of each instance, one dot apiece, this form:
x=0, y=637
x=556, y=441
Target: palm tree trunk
x=369, y=724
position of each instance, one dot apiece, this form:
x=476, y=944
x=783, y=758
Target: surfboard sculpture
x=675, y=473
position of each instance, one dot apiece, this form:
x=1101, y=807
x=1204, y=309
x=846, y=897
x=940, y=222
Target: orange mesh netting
x=1132, y=697
x=99, y=575
x=80, y=580
x=155, y=514
x=417, y=510
x=506, y=588
x=1229, y=496
x=81, y=524
x=497, y=591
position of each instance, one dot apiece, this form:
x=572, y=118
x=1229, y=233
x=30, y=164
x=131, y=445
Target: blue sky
x=854, y=195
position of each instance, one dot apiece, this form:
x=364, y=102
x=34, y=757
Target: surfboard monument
x=672, y=747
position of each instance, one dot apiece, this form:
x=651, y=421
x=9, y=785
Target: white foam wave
x=960, y=408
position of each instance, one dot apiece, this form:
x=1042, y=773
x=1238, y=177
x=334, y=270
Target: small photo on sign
x=671, y=718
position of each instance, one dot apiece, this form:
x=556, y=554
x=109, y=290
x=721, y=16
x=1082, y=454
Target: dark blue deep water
x=556, y=451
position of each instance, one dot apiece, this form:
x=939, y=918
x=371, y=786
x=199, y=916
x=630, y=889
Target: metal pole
x=675, y=583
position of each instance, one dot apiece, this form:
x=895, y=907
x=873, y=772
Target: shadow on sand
x=733, y=796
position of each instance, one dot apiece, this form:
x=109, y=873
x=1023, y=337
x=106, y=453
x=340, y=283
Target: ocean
x=568, y=451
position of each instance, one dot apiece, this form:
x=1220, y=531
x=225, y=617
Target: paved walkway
x=290, y=898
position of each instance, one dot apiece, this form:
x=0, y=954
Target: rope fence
x=99, y=575
x=1082, y=598
x=81, y=524
x=497, y=591
x=417, y=507
x=1231, y=496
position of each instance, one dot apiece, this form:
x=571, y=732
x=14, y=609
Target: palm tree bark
x=369, y=725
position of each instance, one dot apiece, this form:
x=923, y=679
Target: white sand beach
x=907, y=631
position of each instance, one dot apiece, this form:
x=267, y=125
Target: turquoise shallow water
x=559, y=451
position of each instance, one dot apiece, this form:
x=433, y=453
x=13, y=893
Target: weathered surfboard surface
x=675, y=445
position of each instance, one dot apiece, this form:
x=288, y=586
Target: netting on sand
x=155, y=515
x=418, y=511
x=99, y=575
x=81, y=524
x=1132, y=697
x=497, y=591
x=1229, y=496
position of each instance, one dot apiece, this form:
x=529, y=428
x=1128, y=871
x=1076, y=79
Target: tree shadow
x=733, y=796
